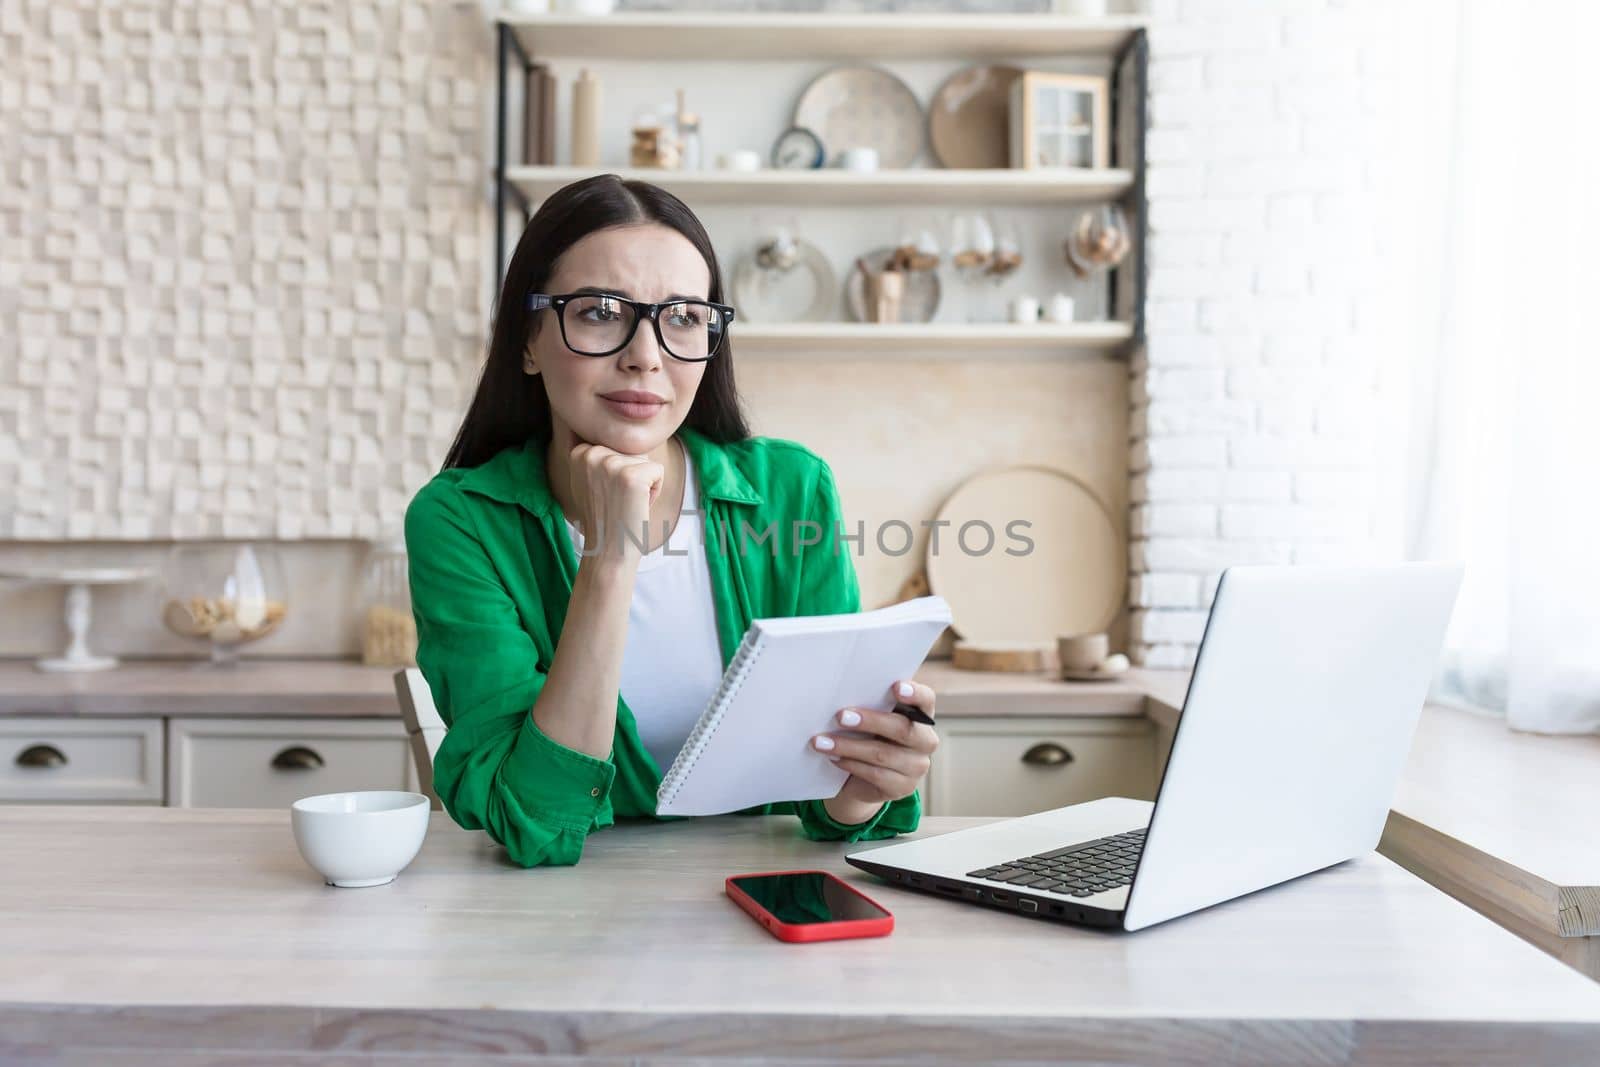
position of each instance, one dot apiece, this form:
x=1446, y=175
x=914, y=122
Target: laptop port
x=1000, y=898
x=1055, y=909
x=1028, y=905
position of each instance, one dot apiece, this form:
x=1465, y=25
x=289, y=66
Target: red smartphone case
x=833, y=931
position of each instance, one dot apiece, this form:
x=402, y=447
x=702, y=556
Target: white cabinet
x=986, y=765
x=993, y=766
x=270, y=763
x=50, y=760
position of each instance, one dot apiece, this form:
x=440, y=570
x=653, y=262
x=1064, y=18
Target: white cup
x=741, y=159
x=360, y=839
x=1024, y=309
x=859, y=159
x=1060, y=309
x=1082, y=652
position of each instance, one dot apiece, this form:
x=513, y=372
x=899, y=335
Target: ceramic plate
x=803, y=293
x=863, y=107
x=969, y=118
x=920, y=304
x=1069, y=582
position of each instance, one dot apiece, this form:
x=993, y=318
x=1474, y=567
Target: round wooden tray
x=1071, y=580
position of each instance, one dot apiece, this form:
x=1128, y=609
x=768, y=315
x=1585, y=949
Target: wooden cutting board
x=1013, y=658
x=1069, y=581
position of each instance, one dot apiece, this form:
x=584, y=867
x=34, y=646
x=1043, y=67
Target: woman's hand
x=885, y=766
x=614, y=492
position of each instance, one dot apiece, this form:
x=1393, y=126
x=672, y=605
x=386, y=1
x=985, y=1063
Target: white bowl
x=360, y=839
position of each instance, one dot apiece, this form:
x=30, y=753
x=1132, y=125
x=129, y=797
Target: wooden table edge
x=290, y=1031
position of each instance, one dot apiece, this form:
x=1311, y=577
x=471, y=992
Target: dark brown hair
x=511, y=407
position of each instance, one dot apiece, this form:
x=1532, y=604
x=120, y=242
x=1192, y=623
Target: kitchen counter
x=986, y=693
x=161, y=930
x=299, y=688
x=344, y=688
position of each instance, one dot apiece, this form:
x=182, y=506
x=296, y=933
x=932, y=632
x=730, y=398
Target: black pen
x=912, y=712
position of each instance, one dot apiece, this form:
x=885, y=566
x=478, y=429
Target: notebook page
x=807, y=668
x=732, y=677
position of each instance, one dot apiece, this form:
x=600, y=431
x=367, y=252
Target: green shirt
x=492, y=568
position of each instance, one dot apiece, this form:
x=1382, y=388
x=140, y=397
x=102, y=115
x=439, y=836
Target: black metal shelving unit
x=1130, y=106
x=1130, y=121
x=507, y=45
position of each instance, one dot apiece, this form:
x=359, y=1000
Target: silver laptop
x=1294, y=731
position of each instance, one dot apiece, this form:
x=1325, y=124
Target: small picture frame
x=1060, y=120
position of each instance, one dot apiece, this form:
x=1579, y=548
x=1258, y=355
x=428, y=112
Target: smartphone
x=808, y=906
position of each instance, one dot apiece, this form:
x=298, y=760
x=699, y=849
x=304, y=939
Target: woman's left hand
x=887, y=765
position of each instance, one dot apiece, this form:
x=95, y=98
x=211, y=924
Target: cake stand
x=78, y=580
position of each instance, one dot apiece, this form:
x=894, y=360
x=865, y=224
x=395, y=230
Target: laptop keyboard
x=1077, y=870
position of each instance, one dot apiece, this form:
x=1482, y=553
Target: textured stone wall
x=242, y=252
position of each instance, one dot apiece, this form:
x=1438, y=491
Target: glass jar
x=224, y=594
x=388, y=631
x=689, y=140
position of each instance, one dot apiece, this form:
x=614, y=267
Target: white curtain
x=1503, y=457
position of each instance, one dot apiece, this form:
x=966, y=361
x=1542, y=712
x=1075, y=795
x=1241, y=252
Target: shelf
x=930, y=339
x=799, y=187
x=1114, y=43
x=700, y=35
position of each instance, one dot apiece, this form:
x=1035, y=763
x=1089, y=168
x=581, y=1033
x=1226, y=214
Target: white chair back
x=423, y=725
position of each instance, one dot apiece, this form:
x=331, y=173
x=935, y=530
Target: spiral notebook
x=789, y=677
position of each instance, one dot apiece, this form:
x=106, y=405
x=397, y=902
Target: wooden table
x=1504, y=821
x=1475, y=814
x=1492, y=816
x=200, y=937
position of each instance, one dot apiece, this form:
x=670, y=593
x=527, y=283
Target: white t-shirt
x=672, y=659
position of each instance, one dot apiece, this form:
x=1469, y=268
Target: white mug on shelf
x=740, y=159
x=859, y=159
x=1082, y=652
x=1080, y=7
x=1024, y=310
x=1060, y=308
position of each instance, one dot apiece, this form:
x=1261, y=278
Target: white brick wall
x=1254, y=403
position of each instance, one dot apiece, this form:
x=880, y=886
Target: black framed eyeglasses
x=599, y=324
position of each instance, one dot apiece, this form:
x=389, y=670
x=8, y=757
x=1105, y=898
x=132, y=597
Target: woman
x=573, y=616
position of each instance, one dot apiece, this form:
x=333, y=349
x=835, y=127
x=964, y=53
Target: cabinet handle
x=1047, y=754
x=297, y=758
x=41, y=756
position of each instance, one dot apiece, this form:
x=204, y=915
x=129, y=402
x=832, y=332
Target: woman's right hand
x=614, y=492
